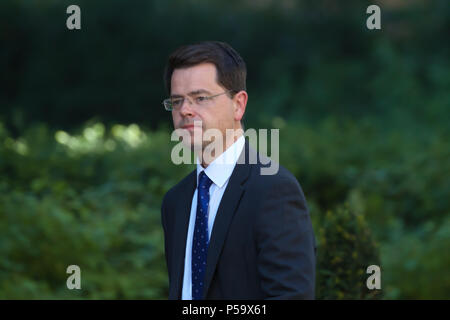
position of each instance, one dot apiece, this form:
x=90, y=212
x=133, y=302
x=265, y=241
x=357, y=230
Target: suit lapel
x=227, y=208
x=182, y=214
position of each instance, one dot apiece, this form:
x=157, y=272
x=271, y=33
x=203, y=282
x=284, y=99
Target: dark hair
x=231, y=68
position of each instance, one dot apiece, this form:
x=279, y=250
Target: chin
x=192, y=145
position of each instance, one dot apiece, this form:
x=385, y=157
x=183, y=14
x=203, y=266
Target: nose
x=186, y=109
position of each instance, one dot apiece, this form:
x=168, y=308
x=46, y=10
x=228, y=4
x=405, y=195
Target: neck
x=215, y=153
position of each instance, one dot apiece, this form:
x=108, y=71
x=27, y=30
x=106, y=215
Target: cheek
x=231, y=115
x=175, y=118
x=221, y=118
x=200, y=116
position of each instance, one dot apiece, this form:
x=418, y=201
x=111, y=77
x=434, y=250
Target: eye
x=201, y=99
x=176, y=102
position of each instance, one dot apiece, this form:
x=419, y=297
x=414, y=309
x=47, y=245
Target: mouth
x=192, y=126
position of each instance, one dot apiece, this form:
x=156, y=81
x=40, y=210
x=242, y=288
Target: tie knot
x=204, y=181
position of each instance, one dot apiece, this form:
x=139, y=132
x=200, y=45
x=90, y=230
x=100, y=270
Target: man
x=230, y=232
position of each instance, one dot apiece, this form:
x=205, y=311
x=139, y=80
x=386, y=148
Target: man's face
x=218, y=113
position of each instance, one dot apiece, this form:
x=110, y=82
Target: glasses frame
x=167, y=102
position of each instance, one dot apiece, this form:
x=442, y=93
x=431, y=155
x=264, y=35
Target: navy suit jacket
x=262, y=243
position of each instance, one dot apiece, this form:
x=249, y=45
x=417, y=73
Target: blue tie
x=200, y=240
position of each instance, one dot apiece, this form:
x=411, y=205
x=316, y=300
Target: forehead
x=201, y=76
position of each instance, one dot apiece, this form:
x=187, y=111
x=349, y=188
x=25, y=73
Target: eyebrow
x=192, y=93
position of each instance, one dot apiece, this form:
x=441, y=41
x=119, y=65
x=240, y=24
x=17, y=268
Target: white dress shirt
x=219, y=171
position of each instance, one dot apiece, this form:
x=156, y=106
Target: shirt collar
x=220, y=170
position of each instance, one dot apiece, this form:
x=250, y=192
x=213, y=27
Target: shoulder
x=269, y=172
x=282, y=179
x=269, y=179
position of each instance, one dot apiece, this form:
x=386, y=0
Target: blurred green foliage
x=346, y=249
x=93, y=199
x=363, y=119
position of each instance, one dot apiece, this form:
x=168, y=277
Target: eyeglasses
x=176, y=102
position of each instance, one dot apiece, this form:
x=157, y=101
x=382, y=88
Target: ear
x=239, y=104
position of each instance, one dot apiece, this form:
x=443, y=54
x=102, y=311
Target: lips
x=191, y=126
